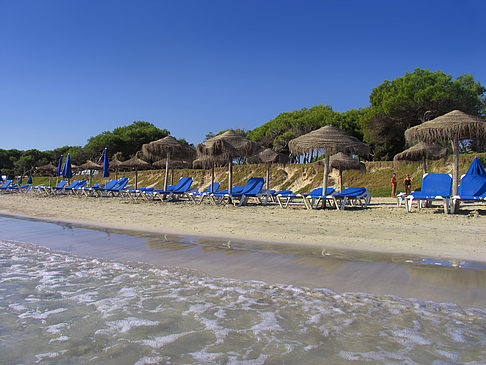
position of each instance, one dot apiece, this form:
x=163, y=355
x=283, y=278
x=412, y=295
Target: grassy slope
x=300, y=178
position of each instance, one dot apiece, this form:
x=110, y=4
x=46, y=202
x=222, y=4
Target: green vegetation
x=409, y=100
x=394, y=106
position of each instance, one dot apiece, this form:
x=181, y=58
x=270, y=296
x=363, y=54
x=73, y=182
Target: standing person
x=394, y=184
x=408, y=184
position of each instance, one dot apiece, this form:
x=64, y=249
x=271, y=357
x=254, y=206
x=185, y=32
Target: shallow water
x=60, y=307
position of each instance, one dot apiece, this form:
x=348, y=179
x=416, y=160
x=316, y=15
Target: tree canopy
x=127, y=140
x=277, y=132
x=411, y=99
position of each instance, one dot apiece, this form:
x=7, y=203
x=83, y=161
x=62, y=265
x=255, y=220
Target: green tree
x=127, y=140
x=411, y=99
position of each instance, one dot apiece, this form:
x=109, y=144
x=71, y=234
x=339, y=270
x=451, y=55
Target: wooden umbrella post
x=212, y=178
x=341, y=179
x=268, y=176
x=230, y=177
x=326, y=173
x=455, y=166
x=166, y=172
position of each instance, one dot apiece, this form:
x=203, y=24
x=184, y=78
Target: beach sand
x=383, y=227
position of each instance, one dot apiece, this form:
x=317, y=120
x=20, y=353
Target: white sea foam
x=158, y=342
x=96, y=309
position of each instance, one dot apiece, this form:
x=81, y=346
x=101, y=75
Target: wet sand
x=299, y=265
x=383, y=228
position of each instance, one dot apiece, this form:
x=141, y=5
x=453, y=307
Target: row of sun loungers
x=239, y=195
x=437, y=187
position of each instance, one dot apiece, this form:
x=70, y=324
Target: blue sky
x=70, y=70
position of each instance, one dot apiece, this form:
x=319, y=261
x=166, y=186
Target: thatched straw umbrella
x=49, y=169
x=225, y=147
x=422, y=152
x=205, y=162
x=453, y=126
x=168, y=147
x=90, y=165
x=115, y=163
x=136, y=164
x=330, y=139
x=268, y=156
x=174, y=164
x=340, y=161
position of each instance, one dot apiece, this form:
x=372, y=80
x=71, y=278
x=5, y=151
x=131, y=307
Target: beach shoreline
x=383, y=228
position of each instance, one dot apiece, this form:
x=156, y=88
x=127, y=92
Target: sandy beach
x=383, y=227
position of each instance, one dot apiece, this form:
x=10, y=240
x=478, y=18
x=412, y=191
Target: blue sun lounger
x=172, y=192
x=118, y=187
x=352, y=196
x=47, y=189
x=72, y=189
x=310, y=200
x=97, y=190
x=434, y=187
x=5, y=185
x=472, y=189
x=252, y=189
x=18, y=188
x=197, y=197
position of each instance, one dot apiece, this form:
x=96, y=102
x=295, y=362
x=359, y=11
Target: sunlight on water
x=60, y=308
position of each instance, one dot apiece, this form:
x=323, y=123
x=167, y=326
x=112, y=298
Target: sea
x=74, y=294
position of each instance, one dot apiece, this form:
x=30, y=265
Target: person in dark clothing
x=408, y=184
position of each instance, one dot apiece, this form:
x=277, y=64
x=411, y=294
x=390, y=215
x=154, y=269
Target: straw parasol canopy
x=177, y=164
x=330, y=139
x=168, y=147
x=422, y=151
x=136, y=164
x=341, y=161
x=115, y=163
x=224, y=148
x=453, y=126
x=49, y=168
x=90, y=165
x=268, y=156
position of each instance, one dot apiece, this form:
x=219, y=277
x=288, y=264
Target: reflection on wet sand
x=303, y=266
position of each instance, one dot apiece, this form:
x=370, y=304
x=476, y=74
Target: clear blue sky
x=73, y=69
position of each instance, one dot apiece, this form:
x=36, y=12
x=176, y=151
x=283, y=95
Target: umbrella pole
x=90, y=175
x=341, y=179
x=116, y=174
x=230, y=177
x=49, y=180
x=212, y=178
x=166, y=172
x=172, y=176
x=425, y=165
x=455, y=166
x=326, y=173
x=268, y=176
